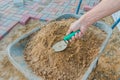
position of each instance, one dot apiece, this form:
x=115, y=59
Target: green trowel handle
x=69, y=36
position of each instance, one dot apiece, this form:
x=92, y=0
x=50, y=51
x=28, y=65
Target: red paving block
x=32, y=16
x=55, y=10
x=35, y=8
x=38, y=16
x=24, y=19
x=61, y=3
x=72, y=11
x=6, y=14
x=51, y=17
x=53, y=5
x=49, y=10
x=44, y=17
x=43, y=1
x=34, y=5
x=53, y=13
x=25, y=12
x=17, y=15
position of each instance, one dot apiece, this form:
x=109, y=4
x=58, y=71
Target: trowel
x=62, y=45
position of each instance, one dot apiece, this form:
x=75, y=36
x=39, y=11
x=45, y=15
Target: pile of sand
x=69, y=64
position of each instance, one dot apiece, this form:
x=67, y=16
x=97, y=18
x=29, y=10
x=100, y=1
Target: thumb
x=83, y=29
x=69, y=31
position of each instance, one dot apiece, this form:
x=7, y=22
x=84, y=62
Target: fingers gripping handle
x=69, y=36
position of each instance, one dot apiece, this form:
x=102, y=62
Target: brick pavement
x=12, y=13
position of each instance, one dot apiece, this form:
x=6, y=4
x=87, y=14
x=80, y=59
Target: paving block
x=3, y=20
x=60, y=3
x=7, y=22
x=44, y=17
x=17, y=15
x=43, y=1
x=32, y=16
x=22, y=8
x=4, y=30
x=8, y=27
x=20, y=11
x=18, y=3
x=11, y=25
x=3, y=8
x=49, y=6
x=15, y=18
x=72, y=11
x=37, y=0
x=35, y=8
x=58, y=13
x=25, y=12
x=1, y=15
x=33, y=13
x=8, y=9
x=92, y=3
x=38, y=16
x=35, y=5
x=54, y=11
x=51, y=17
x=60, y=8
x=9, y=16
x=53, y=5
x=48, y=10
x=28, y=2
x=24, y=19
x=2, y=33
x=72, y=2
x=65, y=4
x=39, y=9
x=2, y=27
x=66, y=11
x=96, y=2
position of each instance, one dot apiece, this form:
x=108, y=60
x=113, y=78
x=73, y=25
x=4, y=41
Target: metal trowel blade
x=60, y=46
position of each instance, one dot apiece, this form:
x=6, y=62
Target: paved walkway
x=10, y=14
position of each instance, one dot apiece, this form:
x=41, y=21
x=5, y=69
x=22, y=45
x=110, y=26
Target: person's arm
x=103, y=9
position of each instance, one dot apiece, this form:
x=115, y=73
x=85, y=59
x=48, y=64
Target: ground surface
x=109, y=64
x=7, y=71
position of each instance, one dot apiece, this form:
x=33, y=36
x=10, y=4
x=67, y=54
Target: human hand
x=77, y=26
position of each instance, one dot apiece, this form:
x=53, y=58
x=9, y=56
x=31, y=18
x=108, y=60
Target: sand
x=69, y=64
